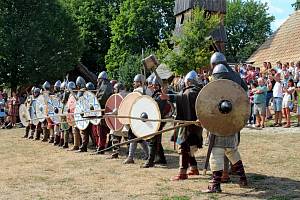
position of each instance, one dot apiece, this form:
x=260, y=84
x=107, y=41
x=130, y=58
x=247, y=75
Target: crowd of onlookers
x=274, y=94
x=9, y=109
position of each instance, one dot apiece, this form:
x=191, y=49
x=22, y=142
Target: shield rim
x=118, y=119
x=123, y=103
x=198, y=109
x=157, y=109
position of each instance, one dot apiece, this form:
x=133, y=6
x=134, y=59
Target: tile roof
x=283, y=45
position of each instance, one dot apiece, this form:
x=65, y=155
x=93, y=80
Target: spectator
x=277, y=100
x=288, y=102
x=298, y=101
x=260, y=94
x=270, y=85
x=13, y=108
x=252, y=118
x=2, y=111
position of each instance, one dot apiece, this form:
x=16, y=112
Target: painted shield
x=41, y=108
x=71, y=104
x=54, y=109
x=63, y=117
x=33, y=113
x=223, y=107
x=146, y=108
x=93, y=106
x=112, y=105
x=24, y=115
x=125, y=106
x=81, y=109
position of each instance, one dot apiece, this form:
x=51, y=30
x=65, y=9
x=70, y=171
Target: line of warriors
x=188, y=138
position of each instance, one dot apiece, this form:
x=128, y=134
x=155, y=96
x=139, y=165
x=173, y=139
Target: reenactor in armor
x=28, y=104
x=36, y=94
x=139, y=86
x=190, y=137
x=75, y=130
x=155, y=145
x=225, y=145
x=104, y=91
x=80, y=83
x=116, y=136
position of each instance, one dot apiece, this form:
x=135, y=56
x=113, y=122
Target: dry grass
x=34, y=170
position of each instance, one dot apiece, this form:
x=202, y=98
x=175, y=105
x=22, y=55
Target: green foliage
x=140, y=25
x=192, y=46
x=38, y=41
x=93, y=18
x=248, y=25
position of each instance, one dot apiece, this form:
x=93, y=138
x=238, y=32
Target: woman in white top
x=287, y=103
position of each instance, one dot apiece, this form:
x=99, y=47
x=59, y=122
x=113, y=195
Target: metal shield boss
x=144, y=107
x=111, y=107
x=125, y=106
x=54, y=109
x=93, y=107
x=223, y=107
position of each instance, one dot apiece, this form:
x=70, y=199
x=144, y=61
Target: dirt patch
x=35, y=170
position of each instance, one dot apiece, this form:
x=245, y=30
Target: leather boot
x=66, y=140
x=239, y=168
x=161, y=156
x=152, y=150
x=82, y=148
x=38, y=135
x=76, y=142
x=51, y=140
x=46, y=135
x=225, y=177
x=61, y=142
x=215, y=184
x=193, y=171
x=182, y=175
x=26, y=132
x=56, y=140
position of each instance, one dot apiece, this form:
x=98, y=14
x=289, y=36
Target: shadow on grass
x=270, y=187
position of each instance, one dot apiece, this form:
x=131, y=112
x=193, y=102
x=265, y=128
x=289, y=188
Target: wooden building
x=183, y=11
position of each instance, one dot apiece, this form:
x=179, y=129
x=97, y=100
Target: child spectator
x=260, y=94
x=288, y=102
x=252, y=119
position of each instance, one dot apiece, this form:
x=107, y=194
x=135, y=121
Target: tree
x=38, y=40
x=93, y=18
x=140, y=25
x=192, y=46
x=248, y=25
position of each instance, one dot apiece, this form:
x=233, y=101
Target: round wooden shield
x=71, y=104
x=144, y=107
x=125, y=106
x=54, y=109
x=93, y=106
x=24, y=115
x=41, y=108
x=33, y=113
x=81, y=109
x=112, y=105
x=223, y=107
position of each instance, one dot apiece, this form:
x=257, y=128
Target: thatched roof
x=283, y=45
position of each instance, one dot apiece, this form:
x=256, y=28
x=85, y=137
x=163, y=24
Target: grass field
x=35, y=170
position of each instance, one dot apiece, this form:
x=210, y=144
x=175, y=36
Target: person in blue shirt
x=260, y=97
